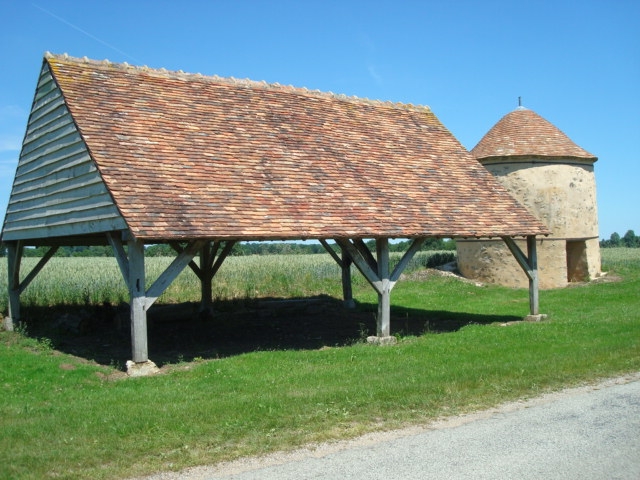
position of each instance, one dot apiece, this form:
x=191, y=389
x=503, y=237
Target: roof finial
x=519, y=101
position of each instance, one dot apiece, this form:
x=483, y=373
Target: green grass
x=620, y=259
x=64, y=417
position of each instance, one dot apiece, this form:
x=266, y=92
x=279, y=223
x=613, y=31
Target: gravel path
x=590, y=432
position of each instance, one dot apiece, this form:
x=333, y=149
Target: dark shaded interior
x=180, y=333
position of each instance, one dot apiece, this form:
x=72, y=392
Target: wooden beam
x=14, y=275
x=384, y=295
x=193, y=265
x=121, y=256
x=14, y=257
x=228, y=246
x=378, y=278
x=97, y=239
x=209, y=266
x=520, y=257
x=366, y=253
x=376, y=271
x=140, y=298
x=347, y=290
x=137, y=302
x=15, y=287
x=345, y=267
x=406, y=258
x=361, y=263
x=171, y=272
x=331, y=251
x=528, y=263
x=533, y=279
x=32, y=274
x=214, y=251
x=206, y=298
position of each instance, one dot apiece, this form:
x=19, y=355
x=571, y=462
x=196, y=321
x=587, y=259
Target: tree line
x=630, y=240
x=239, y=249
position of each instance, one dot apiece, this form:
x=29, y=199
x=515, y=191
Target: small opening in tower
x=577, y=265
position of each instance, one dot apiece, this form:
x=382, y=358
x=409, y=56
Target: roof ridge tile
x=180, y=74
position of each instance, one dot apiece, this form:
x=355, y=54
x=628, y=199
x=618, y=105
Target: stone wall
x=491, y=261
x=561, y=193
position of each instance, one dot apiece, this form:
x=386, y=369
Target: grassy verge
x=63, y=417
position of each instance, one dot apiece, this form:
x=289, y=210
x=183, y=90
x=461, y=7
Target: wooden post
x=137, y=295
x=14, y=257
x=345, y=265
x=347, y=291
x=528, y=263
x=384, y=295
x=209, y=266
x=15, y=286
x=206, y=262
x=532, y=253
x=377, y=274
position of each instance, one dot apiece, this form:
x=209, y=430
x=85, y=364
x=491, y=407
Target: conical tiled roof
x=523, y=132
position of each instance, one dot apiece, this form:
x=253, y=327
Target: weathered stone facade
x=554, y=179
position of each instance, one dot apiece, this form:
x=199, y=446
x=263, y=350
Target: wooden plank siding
x=58, y=190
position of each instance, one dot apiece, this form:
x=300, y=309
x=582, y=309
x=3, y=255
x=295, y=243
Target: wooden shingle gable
x=57, y=190
x=190, y=156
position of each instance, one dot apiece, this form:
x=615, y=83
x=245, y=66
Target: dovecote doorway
x=577, y=264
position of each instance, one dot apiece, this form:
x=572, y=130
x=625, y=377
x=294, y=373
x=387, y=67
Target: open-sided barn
x=123, y=155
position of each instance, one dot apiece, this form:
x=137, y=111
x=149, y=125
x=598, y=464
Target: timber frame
x=129, y=156
x=212, y=254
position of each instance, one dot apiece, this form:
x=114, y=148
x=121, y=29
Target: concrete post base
x=7, y=324
x=382, y=340
x=535, y=318
x=143, y=369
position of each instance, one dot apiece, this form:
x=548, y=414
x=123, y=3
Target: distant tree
x=615, y=239
x=92, y=251
x=34, y=252
x=630, y=240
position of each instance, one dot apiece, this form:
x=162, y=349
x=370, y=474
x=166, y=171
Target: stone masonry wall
x=561, y=193
x=490, y=261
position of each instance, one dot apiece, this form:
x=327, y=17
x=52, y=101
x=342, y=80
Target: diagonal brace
x=519, y=255
x=528, y=263
x=32, y=274
x=362, y=264
x=172, y=271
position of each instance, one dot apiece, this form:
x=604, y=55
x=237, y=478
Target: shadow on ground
x=178, y=333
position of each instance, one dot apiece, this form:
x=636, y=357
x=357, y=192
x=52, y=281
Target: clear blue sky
x=576, y=63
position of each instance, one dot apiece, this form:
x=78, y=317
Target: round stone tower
x=554, y=179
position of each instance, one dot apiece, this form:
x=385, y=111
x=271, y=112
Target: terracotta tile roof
x=525, y=133
x=189, y=156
